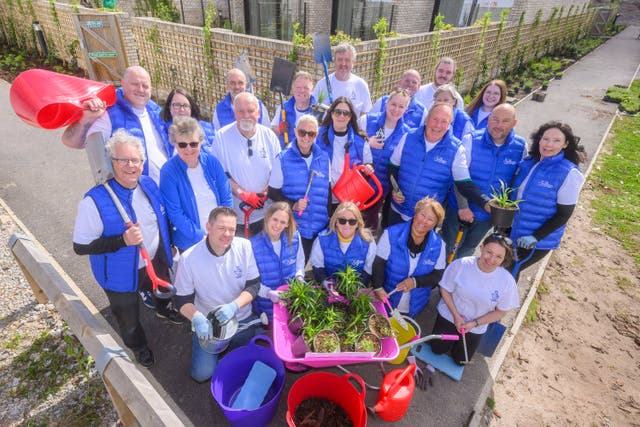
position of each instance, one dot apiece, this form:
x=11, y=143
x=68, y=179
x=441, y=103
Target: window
x=357, y=17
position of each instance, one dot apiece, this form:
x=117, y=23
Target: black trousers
x=443, y=326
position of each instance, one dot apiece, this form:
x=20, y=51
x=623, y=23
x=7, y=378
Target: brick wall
x=412, y=16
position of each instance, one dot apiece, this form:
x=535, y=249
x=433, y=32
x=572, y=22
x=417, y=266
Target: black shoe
x=145, y=358
x=171, y=314
x=147, y=299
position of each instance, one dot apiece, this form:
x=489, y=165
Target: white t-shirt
x=205, y=198
x=88, y=226
x=216, y=280
x=155, y=152
x=355, y=88
x=425, y=95
x=252, y=173
x=317, y=256
x=264, y=119
x=569, y=190
x=275, y=122
x=476, y=293
x=337, y=161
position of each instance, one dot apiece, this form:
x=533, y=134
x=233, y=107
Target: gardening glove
x=283, y=127
x=226, y=312
x=527, y=242
x=252, y=199
x=328, y=283
x=274, y=296
x=202, y=327
x=263, y=198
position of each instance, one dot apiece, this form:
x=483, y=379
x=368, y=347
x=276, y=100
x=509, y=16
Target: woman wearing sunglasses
x=341, y=133
x=476, y=291
x=301, y=178
x=181, y=103
x=410, y=258
x=192, y=184
x=346, y=243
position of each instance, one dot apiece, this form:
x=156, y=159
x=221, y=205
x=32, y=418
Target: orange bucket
x=51, y=100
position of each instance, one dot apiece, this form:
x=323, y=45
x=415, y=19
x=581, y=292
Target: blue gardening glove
x=202, y=327
x=527, y=242
x=227, y=311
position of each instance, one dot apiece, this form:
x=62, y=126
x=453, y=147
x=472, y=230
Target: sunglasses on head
x=502, y=238
x=249, y=149
x=341, y=112
x=350, y=221
x=190, y=144
x=311, y=133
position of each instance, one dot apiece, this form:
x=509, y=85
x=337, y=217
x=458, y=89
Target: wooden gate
x=102, y=46
x=599, y=26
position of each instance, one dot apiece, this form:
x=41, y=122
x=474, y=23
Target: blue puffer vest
x=479, y=125
x=291, y=114
x=118, y=271
x=274, y=270
x=224, y=110
x=335, y=260
x=381, y=157
x=398, y=265
x=122, y=117
x=356, y=143
x=490, y=164
x=413, y=116
x=540, y=197
x=424, y=174
x=296, y=177
x=460, y=120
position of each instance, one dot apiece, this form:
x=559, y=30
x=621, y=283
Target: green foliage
x=438, y=25
x=72, y=50
x=341, y=37
x=54, y=13
x=629, y=98
x=380, y=29
x=13, y=342
x=162, y=9
x=154, y=38
x=208, y=42
x=532, y=311
x=298, y=39
x=501, y=197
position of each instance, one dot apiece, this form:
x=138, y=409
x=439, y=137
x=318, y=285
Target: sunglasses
x=340, y=112
x=501, y=238
x=249, y=149
x=350, y=221
x=311, y=133
x=190, y=144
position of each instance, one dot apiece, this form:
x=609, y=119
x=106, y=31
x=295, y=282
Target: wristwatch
x=476, y=322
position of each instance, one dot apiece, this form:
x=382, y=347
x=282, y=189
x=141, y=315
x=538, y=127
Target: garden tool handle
x=306, y=193
x=247, y=209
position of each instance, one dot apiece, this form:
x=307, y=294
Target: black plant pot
x=502, y=217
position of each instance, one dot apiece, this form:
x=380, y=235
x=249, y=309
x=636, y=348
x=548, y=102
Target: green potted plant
x=503, y=208
x=368, y=343
x=545, y=84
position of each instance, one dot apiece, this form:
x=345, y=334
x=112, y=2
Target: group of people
x=194, y=189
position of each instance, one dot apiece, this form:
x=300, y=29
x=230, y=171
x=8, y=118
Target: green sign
x=102, y=54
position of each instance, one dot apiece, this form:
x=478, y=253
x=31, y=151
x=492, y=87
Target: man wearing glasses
x=113, y=248
x=134, y=111
x=247, y=151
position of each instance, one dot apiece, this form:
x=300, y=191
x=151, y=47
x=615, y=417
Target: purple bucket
x=230, y=375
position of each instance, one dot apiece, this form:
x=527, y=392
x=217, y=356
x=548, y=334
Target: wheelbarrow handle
x=444, y=337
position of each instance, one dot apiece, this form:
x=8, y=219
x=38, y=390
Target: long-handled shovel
x=461, y=230
x=464, y=344
x=282, y=73
x=322, y=55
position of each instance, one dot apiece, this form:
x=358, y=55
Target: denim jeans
x=472, y=237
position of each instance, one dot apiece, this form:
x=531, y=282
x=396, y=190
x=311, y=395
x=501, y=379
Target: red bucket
x=52, y=100
x=338, y=389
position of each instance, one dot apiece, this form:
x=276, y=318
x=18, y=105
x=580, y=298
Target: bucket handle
x=261, y=338
x=415, y=325
x=378, y=187
x=347, y=378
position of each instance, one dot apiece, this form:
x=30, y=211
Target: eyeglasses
x=340, y=112
x=249, y=150
x=125, y=162
x=311, y=133
x=179, y=106
x=499, y=237
x=351, y=221
x=190, y=144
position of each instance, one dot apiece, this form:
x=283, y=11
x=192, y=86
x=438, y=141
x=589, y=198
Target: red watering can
x=52, y=100
x=354, y=187
x=396, y=392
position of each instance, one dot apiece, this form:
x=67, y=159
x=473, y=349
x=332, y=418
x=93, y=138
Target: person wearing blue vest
x=425, y=162
x=462, y=124
x=411, y=258
x=416, y=111
x=384, y=131
x=223, y=113
x=295, y=107
x=114, y=249
x=493, y=155
x=192, y=184
x=133, y=111
x=491, y=95
x=278, y=254
x=301, y=178
x=340, y=134
x=181, y=103
x=345, y=243
x=548, y=182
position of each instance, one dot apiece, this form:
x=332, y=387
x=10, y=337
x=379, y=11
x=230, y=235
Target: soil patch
x=316, y=412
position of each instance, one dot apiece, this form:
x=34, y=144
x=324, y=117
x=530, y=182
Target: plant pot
x=368, y=343
x=379, y=326
x=299, y=347
x=326, y=341
x=295, y=325
x=539, y=96
x=502, y=217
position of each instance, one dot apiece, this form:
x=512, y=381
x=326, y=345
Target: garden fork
x=422, y=380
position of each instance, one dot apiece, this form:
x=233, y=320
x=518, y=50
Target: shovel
x=322, y=55
x=282, y=73
x=396, y=315
x=242, y=63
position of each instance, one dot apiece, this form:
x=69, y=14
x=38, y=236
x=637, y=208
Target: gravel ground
x=46, y=377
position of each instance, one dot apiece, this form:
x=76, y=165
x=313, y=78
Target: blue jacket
x=296, y=177
x=356, y=143
x=413, y=116
x=335, y=260
x=490, y=164
x=290, y=113
x=274, y=270
x=381, y=157
x=224, y=110
x=398, y=265
x=424, y=174
x=460, y=120
x=122, y=117
x=474, y=119
x=540, y=197
x=118, y=271
x=180, y=200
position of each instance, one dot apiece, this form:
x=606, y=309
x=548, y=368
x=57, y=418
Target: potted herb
x=368, y=343
x=326, y=341
x=528, y=86
x=503, y=208
x=379, y=326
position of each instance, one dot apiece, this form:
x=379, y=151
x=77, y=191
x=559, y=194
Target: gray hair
x=185, y=126
x=249, y=96
x=346, y=47
x=303, y=75
x=447, y=88
x=121, y=136
x=308, y=118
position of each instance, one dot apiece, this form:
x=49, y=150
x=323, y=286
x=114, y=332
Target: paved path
x=42, y=181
